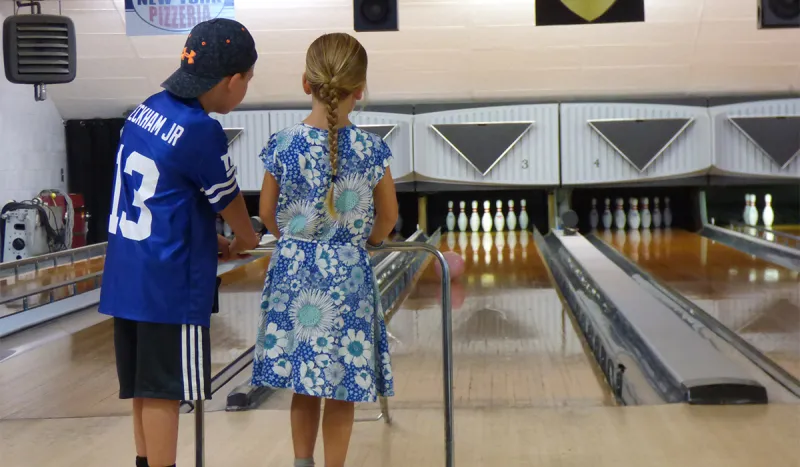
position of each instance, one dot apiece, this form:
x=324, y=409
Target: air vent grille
x=39, y=49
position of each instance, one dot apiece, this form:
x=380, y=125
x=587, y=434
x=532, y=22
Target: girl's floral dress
x=322, y=331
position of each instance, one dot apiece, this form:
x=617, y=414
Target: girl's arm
x=268, y=204
x=385, y=209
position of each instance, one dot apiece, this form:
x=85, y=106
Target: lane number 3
x=144, y=166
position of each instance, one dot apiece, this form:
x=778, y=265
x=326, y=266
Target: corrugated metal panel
x=399, y=141
x=532, y=161
x=281, y=119
x=587, y=158
x=245, y=150
x=734, y=153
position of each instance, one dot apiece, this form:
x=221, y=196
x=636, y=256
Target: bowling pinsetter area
x=595, y=263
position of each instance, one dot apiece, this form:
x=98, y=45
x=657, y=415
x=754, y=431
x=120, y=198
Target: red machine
x=63, y=209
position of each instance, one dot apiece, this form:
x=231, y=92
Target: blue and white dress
x=322, y=331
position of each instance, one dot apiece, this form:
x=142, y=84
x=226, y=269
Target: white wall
x=32, y=143
x=455, y=50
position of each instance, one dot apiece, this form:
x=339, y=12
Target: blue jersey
x=173, y=175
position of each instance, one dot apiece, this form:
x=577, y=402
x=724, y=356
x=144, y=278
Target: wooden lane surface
x=33, y=280
x=645, y=436
x=75, y=375
x=788, y=229
x=757, y=299
x=514, y=344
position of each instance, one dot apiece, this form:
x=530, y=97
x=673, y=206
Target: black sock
x=141, y=462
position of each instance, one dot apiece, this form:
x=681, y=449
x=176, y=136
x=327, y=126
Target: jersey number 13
x=144, y=166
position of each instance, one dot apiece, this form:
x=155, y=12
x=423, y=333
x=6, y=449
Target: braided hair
x=336, y=67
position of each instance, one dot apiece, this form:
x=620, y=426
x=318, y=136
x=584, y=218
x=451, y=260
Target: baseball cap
x=214, y=50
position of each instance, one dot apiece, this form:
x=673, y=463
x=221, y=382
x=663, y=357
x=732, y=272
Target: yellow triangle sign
x=589, y=10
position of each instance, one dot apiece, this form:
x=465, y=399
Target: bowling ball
x=458, y=294
x=454, y=261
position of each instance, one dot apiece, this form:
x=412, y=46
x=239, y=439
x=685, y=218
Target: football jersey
x=173, y=175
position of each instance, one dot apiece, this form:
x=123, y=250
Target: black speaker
x=773, y=14
x=375, y=15
x=39, y=49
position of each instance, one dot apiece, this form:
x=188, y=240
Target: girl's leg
x=305, y=425
x=337, y=425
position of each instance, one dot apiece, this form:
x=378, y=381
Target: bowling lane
x=514, y=344
x=788, y=229
x=9, y=286
x=74, y=375
x=758, y=300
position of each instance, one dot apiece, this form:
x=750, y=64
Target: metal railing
x=447, y=356
x=67, y=257
x=774, y=236
x=51, y=289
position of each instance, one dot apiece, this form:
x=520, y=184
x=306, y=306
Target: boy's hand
x=235, y=249
x=224, y=248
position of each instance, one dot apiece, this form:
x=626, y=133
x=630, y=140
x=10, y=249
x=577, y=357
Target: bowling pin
x=486, y=220
x=511, y=218
x=656, y=214
x=746, y=213
x=451, y=218
x=753, y=211
x=594, y=218
x=667, y=213
x=462, y=217
x=768, y=215
x=474, y=220
x=634, y=220
x=619, y=215
x=647, y=218
x=523, y=215
x=499, y=220
x=607, y=217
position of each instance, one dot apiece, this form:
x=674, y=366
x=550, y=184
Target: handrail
x=37, y=260
x=744, y=228
x=447, y=357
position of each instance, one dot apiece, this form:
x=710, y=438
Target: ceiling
x=453, y=50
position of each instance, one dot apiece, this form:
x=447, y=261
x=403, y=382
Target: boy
x=173, y=175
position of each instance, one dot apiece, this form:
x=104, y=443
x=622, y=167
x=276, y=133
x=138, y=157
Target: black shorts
x=162, y=361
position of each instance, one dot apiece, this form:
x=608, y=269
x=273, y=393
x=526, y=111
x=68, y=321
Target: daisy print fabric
x=322, y=331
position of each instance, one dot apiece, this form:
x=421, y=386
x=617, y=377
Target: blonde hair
x=336, y=67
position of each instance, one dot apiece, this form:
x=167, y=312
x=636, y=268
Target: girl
x=327, y=192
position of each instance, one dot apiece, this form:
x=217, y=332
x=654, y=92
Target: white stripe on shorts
x=187, y=361
x=201, y=377
x=191, y=362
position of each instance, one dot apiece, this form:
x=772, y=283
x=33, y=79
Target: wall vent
x=39, y=49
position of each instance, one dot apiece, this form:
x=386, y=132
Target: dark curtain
x=91, y=160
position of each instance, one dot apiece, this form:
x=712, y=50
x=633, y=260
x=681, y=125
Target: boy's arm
x=210, y=166
x=235, y=214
